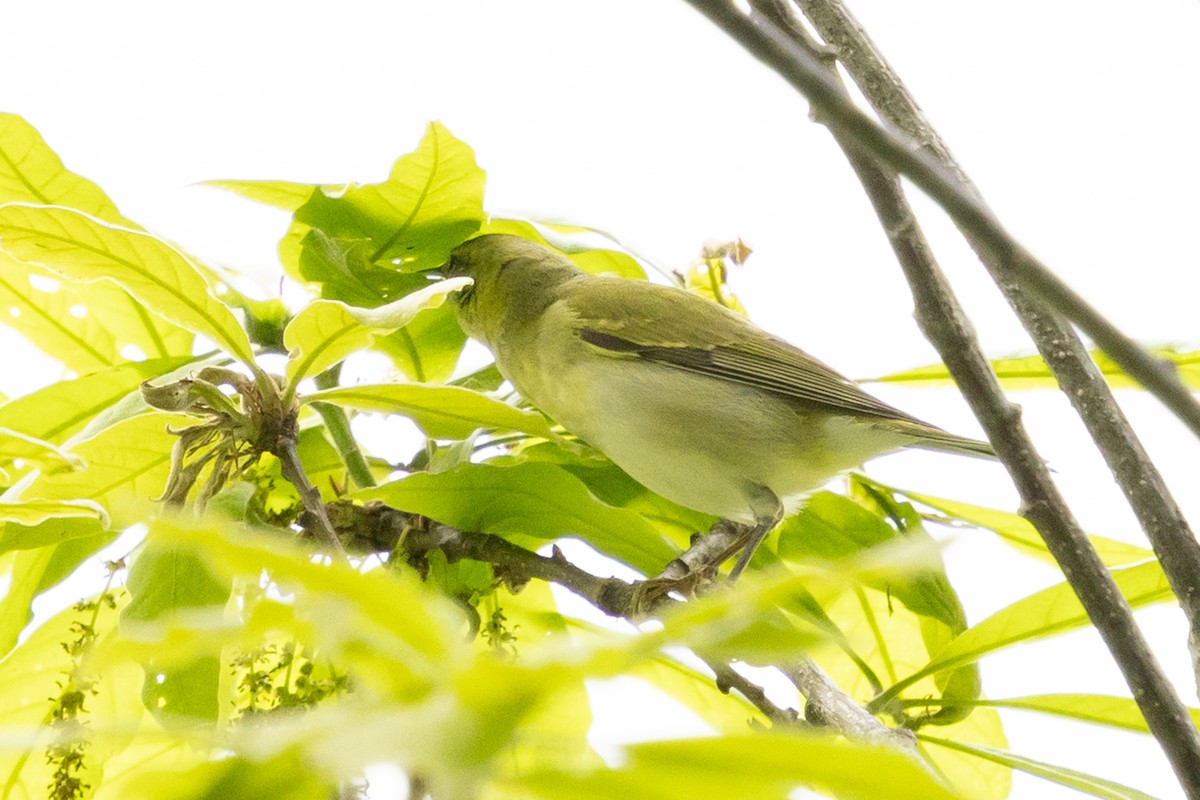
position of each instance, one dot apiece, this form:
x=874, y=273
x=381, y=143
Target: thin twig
x=377, y=528
x=947, y=328
x=806, y=73
x=1080, y=378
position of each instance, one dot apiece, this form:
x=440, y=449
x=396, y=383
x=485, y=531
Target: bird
x=692, y=400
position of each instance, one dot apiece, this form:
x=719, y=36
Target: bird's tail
x=931, y=438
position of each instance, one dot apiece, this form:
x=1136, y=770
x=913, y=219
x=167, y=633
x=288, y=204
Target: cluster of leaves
x=242, y=665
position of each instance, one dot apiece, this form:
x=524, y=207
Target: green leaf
x=1088, y=784
x=427, y=349
x=1031, y=372
x=1018, y=532
x=127, y=465
x=16, y=445
x=31, y=172
x=326, y=331
x=595, y=260
x=442, y=412
x=431, y=201
x=84, y=248
x=285, y=776
x=831, y=527
x=532, y=503
x=166, y=582
x=1116, y=712
x=762, y=766
x=54, y=528
x=1045, y=613
x=85, y=327
x=282, y=194
x=35, y=512
x=60, y=410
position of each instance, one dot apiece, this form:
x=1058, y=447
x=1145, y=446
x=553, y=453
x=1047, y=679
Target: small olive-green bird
x=692, y=400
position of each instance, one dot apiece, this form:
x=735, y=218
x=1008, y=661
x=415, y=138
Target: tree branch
x=947, y=328
x=808, y=75
x=377, y=528
x=1077, y=374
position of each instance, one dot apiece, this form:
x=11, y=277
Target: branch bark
x=377, y=528
x=876, y=154
x=1077, y=374
x=807, y=73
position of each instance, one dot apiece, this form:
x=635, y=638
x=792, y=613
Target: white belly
x=701, y=442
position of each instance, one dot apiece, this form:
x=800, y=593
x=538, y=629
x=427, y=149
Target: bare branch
x=1160, y=516
x=808, y=75
x=947, y=328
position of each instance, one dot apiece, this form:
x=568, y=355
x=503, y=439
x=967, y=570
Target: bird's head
x=514, y=280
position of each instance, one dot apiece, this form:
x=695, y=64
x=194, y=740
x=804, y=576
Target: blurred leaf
x=442, y=412
x=1088, y=784
x=1017, y=531
x=763, y=766
x=1043, y=614
x=32, y=675
x=831, y=527
x=62, y=409
x=530, y=503
x=1116, y=712
x=35, y=512
x=165, y=582
x=326, y=331
x=1031, y=372
x=286, y=776
x=54, y=529
x=84, y=248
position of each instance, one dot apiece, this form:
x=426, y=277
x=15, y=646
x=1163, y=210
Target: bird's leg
x=767, y=510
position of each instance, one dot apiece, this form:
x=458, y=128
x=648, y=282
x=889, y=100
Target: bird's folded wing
x=768, y=363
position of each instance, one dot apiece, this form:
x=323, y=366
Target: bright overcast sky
x=1079, y=122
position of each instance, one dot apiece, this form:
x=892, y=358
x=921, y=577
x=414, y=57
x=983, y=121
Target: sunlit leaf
x=84, y=248
x=1018, y=532
x=443, y=412
x=1045, y=613
x=31, y=172
x=85, y=327
x=1088, y=784
x=165, y=582
x=34, y=512
x=60, y=410
x=431, y=201
x=1031, y=372
x=282, y=194
x=1116, y=712
x=127, y=466
x=326, y=331
x=596, y=260
x=762, y=766
x=17, y=445
x=532, y=503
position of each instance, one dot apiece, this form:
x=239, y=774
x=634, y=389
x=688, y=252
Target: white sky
x=1079, y=122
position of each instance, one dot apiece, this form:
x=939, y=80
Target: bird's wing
x=717, y=343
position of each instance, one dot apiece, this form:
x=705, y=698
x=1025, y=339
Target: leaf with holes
x=83, y=248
